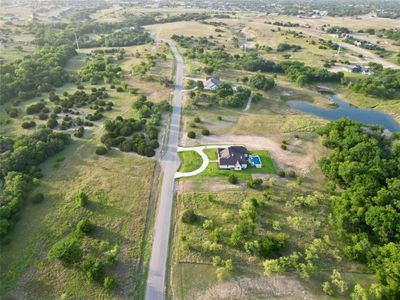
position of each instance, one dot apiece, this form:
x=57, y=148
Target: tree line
x=366, y=165
x=19, y=169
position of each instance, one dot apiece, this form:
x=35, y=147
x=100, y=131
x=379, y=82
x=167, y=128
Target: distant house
x=212, y=83
x=359, y=69
x=233, y=158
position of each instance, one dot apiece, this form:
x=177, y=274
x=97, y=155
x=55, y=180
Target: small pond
x=344, y=109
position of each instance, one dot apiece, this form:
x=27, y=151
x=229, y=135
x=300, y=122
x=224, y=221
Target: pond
x=366, y=116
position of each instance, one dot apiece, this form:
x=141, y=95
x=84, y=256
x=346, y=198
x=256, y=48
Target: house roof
x=233, y=155
x=215, y=80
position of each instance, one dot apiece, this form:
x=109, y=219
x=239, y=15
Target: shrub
x=283, y=147
x=255, y=183
x=12, y=112
x=292, y=174
x=109, y=282
x=52, y=123
x=208, y=224
x=281, y=173
x=188, y=216
x=101, y=150
x=219, y=118
x=37, y=198
x=79, y=132
x=197, y=120
x=205, y=132
x=82, y=199
x=232, y=178
x=66, y=251
x=119, y=89
x=93, y=268
x=191, y=134
x=28, y=124
x=84, y=226
x=34, y=108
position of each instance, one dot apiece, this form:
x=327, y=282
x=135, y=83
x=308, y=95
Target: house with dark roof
x=233, y=158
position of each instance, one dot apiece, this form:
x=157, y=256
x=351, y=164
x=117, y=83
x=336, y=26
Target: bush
x=232, y=178
x=197, y=120
x=255, y=183
x=101, y=150
x=66, y=251
x=283, y=147
x=109, y=282
x=191, y=134
x=28, y=124
x=93, y=269
x=219, y=118
x=35, y=108
x=188, y=216
x=205, y=132
x=37, y=198
x=292, y=174
x=281, y=173
x=82, y=199
x=52, y=123
x=84, y=226
x=119, y=89
x=79, y=132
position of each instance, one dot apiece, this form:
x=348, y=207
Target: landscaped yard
x=190, y=161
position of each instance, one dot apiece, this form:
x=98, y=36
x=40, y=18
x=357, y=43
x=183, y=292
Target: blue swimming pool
x=256, y=159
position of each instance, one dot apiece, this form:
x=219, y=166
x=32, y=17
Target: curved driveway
x=206, y=160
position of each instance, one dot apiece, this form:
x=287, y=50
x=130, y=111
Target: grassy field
x=120, y=211
x=301, y=225
x=117, y=208
x=190, y=161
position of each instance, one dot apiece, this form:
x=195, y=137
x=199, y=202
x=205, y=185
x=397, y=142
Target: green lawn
x=213, y=170
x=190, y=161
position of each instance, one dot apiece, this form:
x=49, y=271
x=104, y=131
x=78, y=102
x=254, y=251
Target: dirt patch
x=299, y=160
x=275, y=287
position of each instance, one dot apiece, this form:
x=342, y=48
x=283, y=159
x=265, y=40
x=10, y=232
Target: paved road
x=369, y=55
x=155, y=288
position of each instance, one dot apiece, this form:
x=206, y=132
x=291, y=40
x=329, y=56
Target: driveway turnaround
x=206, y=160
x=155, y=288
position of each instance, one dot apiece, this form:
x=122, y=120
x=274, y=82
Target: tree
x=327, y=288
x=359, y=293
x=337, y=280
x=262, y=82
x=67, y=251
x=232, y=178
x=188, y=216
x=191, y=134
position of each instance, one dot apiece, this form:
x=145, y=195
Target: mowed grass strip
x=190, y=161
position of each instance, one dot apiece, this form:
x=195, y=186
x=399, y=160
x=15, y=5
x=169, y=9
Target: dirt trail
x=283, y=158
